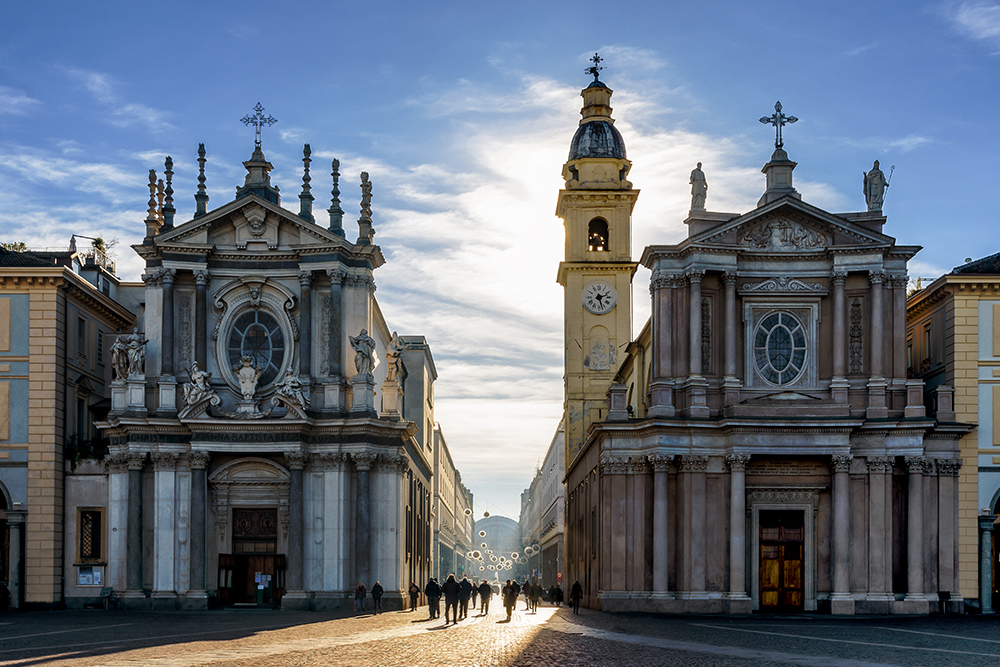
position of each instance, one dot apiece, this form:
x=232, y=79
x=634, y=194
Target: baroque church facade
x=758, y=446
x=270, y=438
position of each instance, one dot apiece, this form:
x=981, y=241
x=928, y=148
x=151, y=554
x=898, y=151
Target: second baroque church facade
x=270, y=439
x=758, y=445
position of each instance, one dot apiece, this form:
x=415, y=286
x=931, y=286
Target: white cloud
x=978, y=20
x=15, y=102
x=122, y=113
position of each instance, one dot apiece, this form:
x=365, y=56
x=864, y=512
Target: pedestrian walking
x=527, y=595
x=575, y=595
x=485, y=593
x=451, y=590
x=414, y=596
x=536, y=594
x=558, y=595
x=475, y=593
x=509, y=597
x=377, y=597
x=359, y=598
x=463, y=596
x=433, y=592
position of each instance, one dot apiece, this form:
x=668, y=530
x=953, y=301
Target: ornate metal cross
x=779, y=120
x=258, y=120
x=596, y=67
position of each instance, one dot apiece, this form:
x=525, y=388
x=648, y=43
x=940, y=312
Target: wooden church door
x=782, y=540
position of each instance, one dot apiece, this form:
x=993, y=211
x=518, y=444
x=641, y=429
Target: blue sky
x=463, y=113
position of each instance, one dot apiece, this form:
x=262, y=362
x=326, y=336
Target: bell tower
x=596, y=208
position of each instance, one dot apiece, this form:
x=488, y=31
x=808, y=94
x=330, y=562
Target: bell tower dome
x=596, y=208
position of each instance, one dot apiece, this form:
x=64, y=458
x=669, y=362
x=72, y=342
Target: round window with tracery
x=258, y=334
x=779, y=348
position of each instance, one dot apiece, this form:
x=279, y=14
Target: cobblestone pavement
x=550, y=637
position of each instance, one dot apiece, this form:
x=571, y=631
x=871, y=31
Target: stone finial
x=365, y=228
x=152, y=215
x=168, y=202
x=201, y=199
x=336, y=213
x=306, y=198
x=159, y=200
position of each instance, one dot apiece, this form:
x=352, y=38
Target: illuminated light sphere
x=486, y=515
x=482, y=533
x=468, y=511
x=476, y=554
x=483, y=545
x=491, y=567
x=481, y=568
x=515, y=555
x=527, y=550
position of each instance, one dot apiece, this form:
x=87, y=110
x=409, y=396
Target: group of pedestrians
x=359, y=597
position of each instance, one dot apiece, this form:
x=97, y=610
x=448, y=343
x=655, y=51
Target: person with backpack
x=414, y=596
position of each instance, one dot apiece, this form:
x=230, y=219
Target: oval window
x=779, y=348
x=257, y=334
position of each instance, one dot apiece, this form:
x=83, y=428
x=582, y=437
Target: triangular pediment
x=790, y=225
x=249, y=222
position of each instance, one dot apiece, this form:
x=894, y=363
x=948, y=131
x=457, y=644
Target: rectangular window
x=90, y=535
x=100, y=347
x=81, y=336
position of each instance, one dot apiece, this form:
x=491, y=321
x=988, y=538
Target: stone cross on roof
x=779, y=120
x=258, y=120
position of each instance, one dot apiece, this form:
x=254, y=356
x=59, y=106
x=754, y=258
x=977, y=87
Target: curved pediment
x=251, y=471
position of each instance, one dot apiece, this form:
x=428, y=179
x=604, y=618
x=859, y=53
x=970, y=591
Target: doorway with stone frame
x=783, y=547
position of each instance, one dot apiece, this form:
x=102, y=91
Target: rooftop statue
x=699, y=188
x=875, y=184
x=364, y=352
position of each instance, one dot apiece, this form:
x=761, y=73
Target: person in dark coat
x=463, y=597
x=536, y=596
x=475, y=593
x=359, y=598
x=377, y=596
x=433, y=592
x=485, y=593
x=451, y=590
x=558, y=595
x=526, y=589
x=510, y=593
x=414, y=596
x=575, y=595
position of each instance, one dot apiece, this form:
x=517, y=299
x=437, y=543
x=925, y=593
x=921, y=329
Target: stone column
x=877, y=407
x=661, y=385
x=899, y=326
x=15, y=524
x=839, y=384
x=305, y=327
x=986, y=564
x=661, y=553
x=201, y=279
x=694, y=467
x=879, y=561
x=915, y=532
x=737, y=534
x=362, y=533
x=841, y=601
x=164, y=539
x=133, y=545
x=336, y=322
x=694, y=349
x=167, y=348
x=294, y=561
x=199, y=508
x=947, y=470
x=732, y=336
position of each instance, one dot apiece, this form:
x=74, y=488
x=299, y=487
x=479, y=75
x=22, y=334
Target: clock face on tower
x=599, y=297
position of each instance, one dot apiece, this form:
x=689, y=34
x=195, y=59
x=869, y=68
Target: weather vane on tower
x=596, y=68
x=779, y=120
x=258, y=120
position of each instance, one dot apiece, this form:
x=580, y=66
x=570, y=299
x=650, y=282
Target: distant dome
x=598, y=138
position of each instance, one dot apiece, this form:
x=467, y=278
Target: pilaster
x=841, y=601
x=738, y=602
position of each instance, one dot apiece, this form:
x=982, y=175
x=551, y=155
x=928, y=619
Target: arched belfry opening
x=597, y=235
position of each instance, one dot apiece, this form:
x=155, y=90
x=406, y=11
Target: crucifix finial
x=258, y=120
x=596, y=68
x=779, y=120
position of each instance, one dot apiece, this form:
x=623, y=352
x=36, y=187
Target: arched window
x=597, y=235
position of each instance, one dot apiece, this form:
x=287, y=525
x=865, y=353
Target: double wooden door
x=782, y=544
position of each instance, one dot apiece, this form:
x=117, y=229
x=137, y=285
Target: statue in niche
x=699, y=188
x=290, y=389
x=119, y=357
x=364, y=353
x=393, y=358
x=136, y=345
x=247, y=374
x=875, y=184
x=199, y=388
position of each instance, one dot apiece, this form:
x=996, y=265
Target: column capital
x=117, y=462
x=899, y=281
x=876, y=277
x=297, y=460
x=329, y=461
x=201, y=278
x=661, y=280
x=878, y=465
x=729, y=278
x=694, y=276
x=915, y=464
x=336, y=276
x=198, y=459
x=692, y=463
x=737, y=462
x=838, y=277
x=364, y=460
x=948, y=467
x=167, y=277
x=164, y=460
x=660, y=462
x=638, y=465
x=305, y=279
x=136, y=460
x=841, y=463
x=614, y=465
